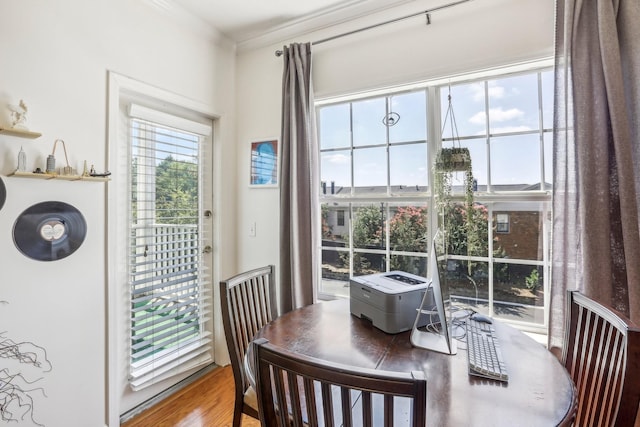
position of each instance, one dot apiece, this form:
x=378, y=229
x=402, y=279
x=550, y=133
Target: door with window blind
x=169, y=237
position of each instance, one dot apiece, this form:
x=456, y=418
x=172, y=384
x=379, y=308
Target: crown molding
x=345, y=12
x=181, y=16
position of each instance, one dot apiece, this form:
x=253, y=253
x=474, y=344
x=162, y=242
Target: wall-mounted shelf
x=19, y=174
x=21, y=133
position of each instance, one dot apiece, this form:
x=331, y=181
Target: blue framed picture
x=264, y=163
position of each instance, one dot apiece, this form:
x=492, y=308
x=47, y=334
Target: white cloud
x=479, y=118
x=496, y=92
x=500, y=115
x=477, y=91
x=337, y=159
x=497, y=115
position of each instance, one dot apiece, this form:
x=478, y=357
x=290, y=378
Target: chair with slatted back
x=248, y=304
x=330, y=394
x=602, y=355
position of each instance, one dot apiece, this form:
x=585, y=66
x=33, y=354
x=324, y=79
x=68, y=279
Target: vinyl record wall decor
x=3, y=193
x=49, y=231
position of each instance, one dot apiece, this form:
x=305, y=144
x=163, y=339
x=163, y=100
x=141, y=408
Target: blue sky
x=512, y=105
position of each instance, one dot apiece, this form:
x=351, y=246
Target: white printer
x=389, y=300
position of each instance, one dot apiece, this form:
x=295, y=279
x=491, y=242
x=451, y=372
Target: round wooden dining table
x=539, y=391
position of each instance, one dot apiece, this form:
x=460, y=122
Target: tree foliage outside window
x=367, y=227
x=408, y=229
x=408, y=232
x=506, y=127
x=176, y=192
x=327, y=230
x=457, y=227
x=366, y=233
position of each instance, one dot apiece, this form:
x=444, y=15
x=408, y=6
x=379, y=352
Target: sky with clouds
x=512, y=103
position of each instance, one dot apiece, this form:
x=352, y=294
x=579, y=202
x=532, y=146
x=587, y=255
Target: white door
x=165, y=234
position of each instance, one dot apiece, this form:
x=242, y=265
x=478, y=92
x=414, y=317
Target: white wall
x=55, y=56
x=477, y=35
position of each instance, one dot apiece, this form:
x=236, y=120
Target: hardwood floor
x=208, y=402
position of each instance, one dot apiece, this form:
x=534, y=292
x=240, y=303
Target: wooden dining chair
x=602, y=355
x=295, y=391
x=248, y=304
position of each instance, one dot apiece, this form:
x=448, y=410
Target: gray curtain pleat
x=596, y=242
x=298, y=192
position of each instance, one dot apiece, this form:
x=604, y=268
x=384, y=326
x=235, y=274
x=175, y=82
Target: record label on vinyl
x=49, y=231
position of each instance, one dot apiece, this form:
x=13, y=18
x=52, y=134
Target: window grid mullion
x=434, y=140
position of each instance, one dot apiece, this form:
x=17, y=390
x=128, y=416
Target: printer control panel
x=404, y=279
x=393, y=282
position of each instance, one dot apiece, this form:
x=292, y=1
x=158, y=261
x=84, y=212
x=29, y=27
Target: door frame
x=120, y=86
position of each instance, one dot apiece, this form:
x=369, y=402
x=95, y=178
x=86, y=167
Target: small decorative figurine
x=98, y=174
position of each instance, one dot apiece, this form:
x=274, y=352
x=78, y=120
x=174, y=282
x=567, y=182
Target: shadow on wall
x=27, y=363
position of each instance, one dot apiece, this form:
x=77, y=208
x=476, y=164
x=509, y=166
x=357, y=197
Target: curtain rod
x=402, y=18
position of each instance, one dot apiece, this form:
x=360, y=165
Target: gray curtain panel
x=596, y=243
x=298, y=192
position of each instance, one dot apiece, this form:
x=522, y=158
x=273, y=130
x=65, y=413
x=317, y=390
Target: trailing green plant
x=449, y=161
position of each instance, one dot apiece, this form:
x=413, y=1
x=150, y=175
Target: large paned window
x=375, y=187
x=377, y=155
x=169, y=302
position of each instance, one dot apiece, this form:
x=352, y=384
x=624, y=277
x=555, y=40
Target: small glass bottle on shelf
x=22, y=161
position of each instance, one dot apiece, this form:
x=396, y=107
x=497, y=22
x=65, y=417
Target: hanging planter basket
x=449, y=161
x=453, y=159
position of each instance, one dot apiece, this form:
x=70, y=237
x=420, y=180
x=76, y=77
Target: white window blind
x=170, y=302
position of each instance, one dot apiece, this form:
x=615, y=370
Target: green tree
x=408, y=232
x=367, y=229
x=176, y=192
x=456, y=228
x=366, y=233
x=327, y=230
x=408, y=229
